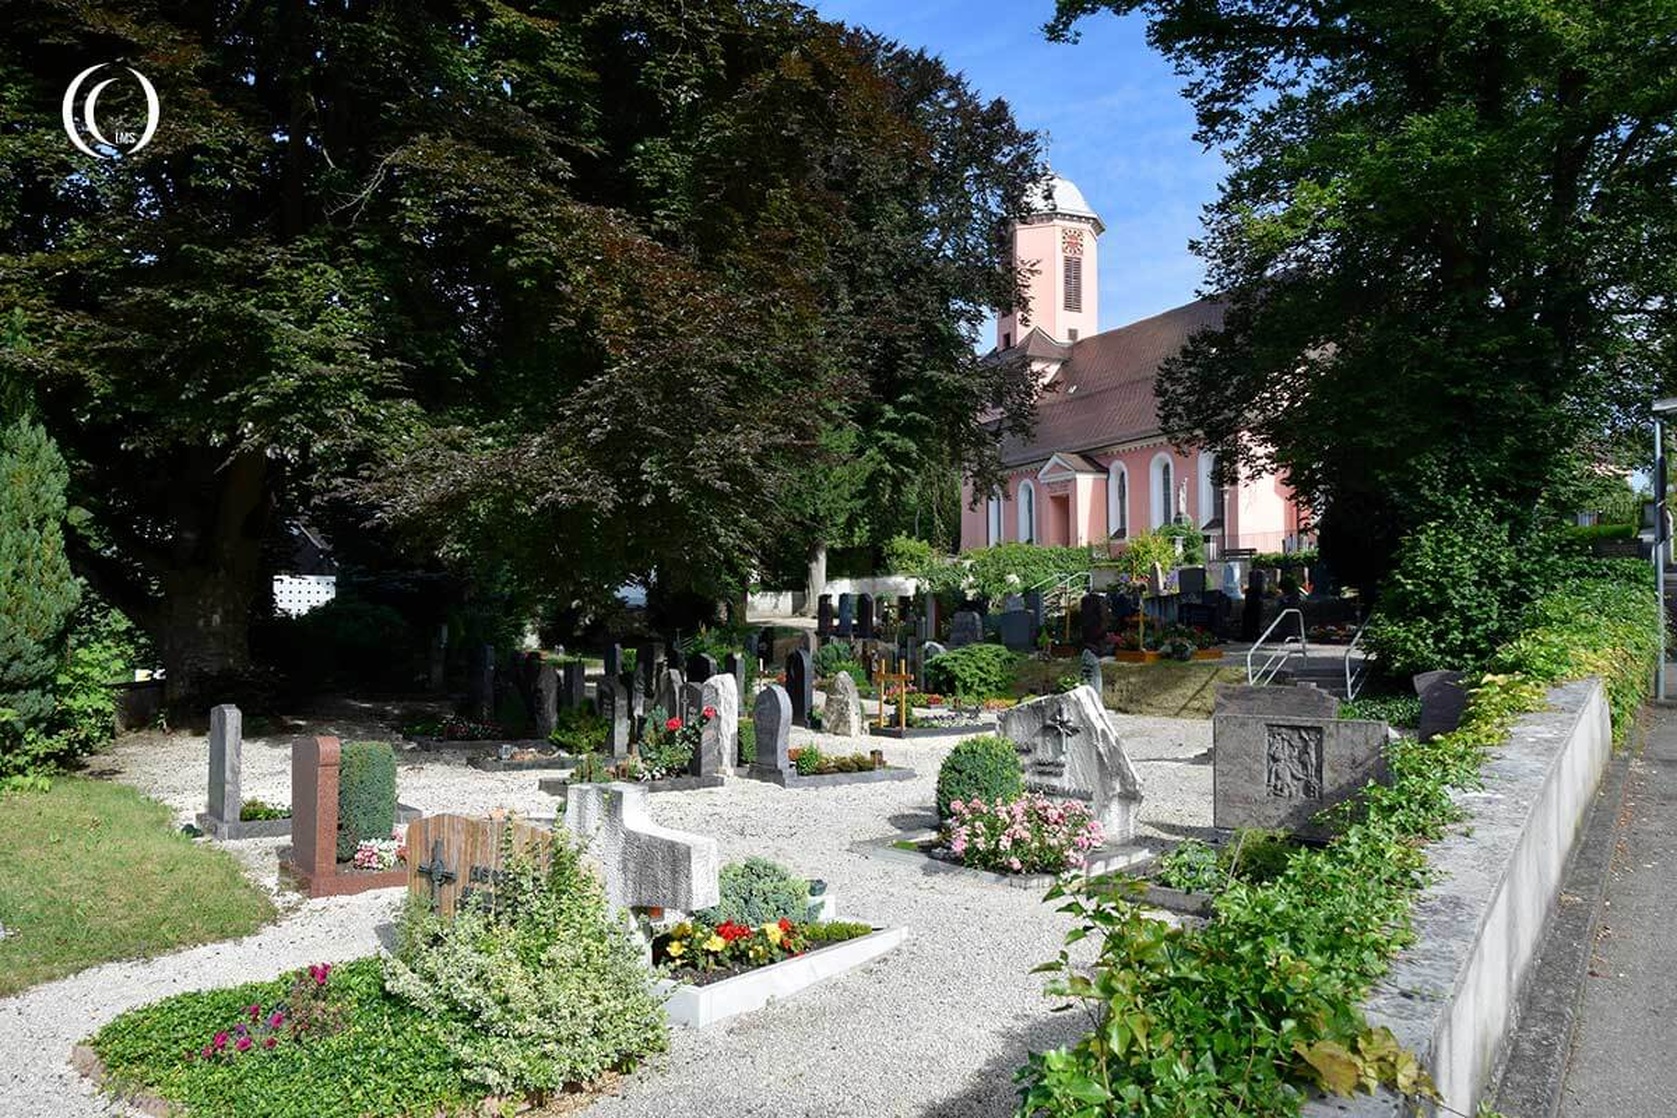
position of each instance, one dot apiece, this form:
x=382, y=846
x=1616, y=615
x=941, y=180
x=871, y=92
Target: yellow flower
x=774, y=933
x=674, y=948
x=715, y=942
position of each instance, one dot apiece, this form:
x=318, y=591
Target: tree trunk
x=817, y=578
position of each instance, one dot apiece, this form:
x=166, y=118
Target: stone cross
x=435, y=872
x=642, y=864
x=226, y=755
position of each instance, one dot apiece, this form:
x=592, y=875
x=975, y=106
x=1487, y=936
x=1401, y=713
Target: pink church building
x=1098, y=468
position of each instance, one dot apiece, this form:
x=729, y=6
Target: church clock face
x=1071, y=242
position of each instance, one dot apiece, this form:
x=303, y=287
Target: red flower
x=731, y=931
x=710, y=712
x=673, y=725
x=269, y=1043
x=785, y=925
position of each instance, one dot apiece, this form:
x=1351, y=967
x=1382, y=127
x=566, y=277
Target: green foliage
x=1135, y=562
x=809, y=760
x=906, y=555
x=38, y=592
x=1305, y=557
x=664, y=751
x=348, y=641
x=1193, y=544
x=1399, y=711
x=1261, y=1004
x=366, y=794
x=1013, y=568
x=539, y=989
x=974, y=671
x=1588, y=532
x=579, y=730
x=1452, y=596
x=747, y=741
x=256, y=811
x=984, y=767
x=829, y=932
x=389, y=1059
x=833, y=656
x=1192, y=866
x=757, y=892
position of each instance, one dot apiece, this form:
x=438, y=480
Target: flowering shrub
x=1032, y=834
x=670, y=744
x=695, y=945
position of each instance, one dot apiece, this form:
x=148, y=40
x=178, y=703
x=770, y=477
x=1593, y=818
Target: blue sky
x=1115, y=119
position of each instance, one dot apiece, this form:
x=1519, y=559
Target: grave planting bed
x=697, y=1005
x=827, y=780
x=487, y=745
x=923, y=851
x=495, y=764
x=558, y=785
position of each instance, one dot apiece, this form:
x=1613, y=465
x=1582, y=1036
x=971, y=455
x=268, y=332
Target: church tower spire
x=1055, y=242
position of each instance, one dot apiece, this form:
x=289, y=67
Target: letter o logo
x=89, y=108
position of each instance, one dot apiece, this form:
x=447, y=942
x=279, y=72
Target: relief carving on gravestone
x=1293, y=762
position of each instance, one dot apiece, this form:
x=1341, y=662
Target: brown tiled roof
x=1104, y=393
x=1036, y=344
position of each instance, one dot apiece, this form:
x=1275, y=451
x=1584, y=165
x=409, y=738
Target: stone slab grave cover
x=221, y=818
x=719, y=739
x=1443, y=702
x=314, y=826
x=800, y=685
x=1277, y=770
x=644, y=865
x=452, y=858
x=967, y=627
x=1068, y=748
x=843, y=713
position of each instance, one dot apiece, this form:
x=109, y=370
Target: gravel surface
x=934, y=1030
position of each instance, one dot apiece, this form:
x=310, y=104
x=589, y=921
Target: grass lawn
x=93, y=871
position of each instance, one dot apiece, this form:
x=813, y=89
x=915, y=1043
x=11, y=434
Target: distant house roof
x=1104, y=392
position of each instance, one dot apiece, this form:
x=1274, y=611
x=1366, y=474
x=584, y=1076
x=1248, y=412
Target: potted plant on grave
x=1135, y=566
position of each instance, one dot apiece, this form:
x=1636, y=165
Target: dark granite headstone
x=1443, y=701
x=573, y=692
x=614, y=660
x=864, y=616
x=226, y=752
x=1094, y=619
x=928, y=617
x=613, y=703
x=800, y=685
x=1016, y=630
x=1033, y=606
x=1252, y=612
x=824, y=615
x=734, y=665
x=547, y=700
x=847, y=615
x=480, y=690
x=700, y=667
x=966, y=628
x=1190, y=581
x=771, y=717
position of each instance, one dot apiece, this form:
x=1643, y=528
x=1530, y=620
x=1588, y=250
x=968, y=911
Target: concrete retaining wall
x=795, y=603
x=1453, y=995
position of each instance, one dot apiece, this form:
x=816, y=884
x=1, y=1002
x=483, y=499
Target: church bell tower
x=1055, y=243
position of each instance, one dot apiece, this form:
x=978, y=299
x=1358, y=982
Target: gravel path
x=934, y=1030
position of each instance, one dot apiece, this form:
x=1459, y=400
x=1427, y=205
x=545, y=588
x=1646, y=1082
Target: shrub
x=1031, y=834
x=758, y=891
x=834, y=656
x=1193, y=545
x=38, y=592
x=1402, y=711
x=540, y=988
x=1135, y=562
x=668, y=746
x=346, y=641
x=366, y=794
x=981, y=768
x=748, y=741
x=1012, y=568
x=1192, y=866
x=834, y=931
x=977, y=671
x=579, y=730
x=808, y=761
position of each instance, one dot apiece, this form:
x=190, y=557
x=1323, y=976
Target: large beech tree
x=1447, y=239
x=575, y=290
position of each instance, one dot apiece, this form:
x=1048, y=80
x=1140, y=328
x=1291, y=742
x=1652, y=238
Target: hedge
x=366, y=794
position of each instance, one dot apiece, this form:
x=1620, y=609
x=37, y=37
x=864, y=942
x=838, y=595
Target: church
x=1098, y=469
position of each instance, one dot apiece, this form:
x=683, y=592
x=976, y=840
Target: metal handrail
x=1282, y=654
x=1354, y=683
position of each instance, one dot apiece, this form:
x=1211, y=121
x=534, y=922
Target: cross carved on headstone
x=435, y=872
x=1064, y=727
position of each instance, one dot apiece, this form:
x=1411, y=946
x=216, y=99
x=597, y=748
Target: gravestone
x=547, y=700
x=1276, y=771
x=1231, y=580
x=765, y=646
x=646, y=670
x=1033, y=606
x=1067, y=748
x=824, y=615
x=905, y=608
x=480, y=685
x=455, y=858
x=1089, y=671
x=843, y=714
x=1191, y=581
x=1252, y=611
x=1016, y=630
x=637, y=694
x=670, y=697
x=1013, y=601
x=1443, y=702
x=226, y=759
x=847, y=615
x=574, y=692
x=800, y=685
x=314, y=810
x=642, y=864
x=864, y=616
x=719, y=740
x=1302, y=701
x=966, y=628
x=927, y=628
x=612, y=702
x=734, y=665
x=700, y=667
x=927, y=651
x=1094, y=619
x=771, y=718
x=614, y=660
x=1156, y=580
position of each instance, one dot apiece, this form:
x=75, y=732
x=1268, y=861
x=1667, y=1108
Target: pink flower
x=208, y=1051
x=254, y=1011
x=269, y=1043
x=1014, y=864
x=320, y=972
x=244, y=1044
x=219, y=1042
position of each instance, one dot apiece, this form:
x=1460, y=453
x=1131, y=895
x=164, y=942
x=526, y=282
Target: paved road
x=1623, y=1060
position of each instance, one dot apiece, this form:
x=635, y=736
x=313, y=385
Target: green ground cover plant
x=977, y=671
x=1262, y=1005
x=92, y=871
x=1400, y=711
x=979, y=768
